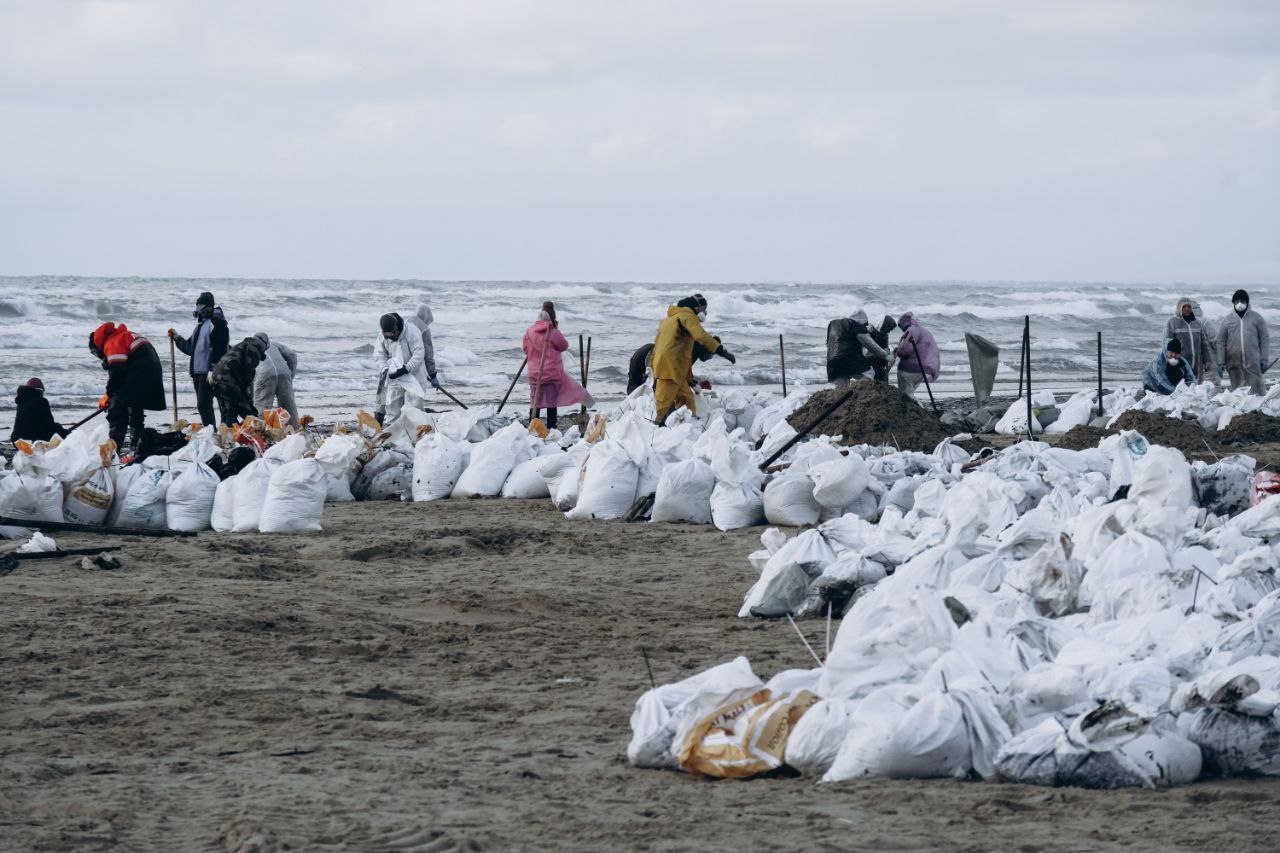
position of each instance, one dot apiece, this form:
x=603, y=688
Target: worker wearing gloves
x=1187, y=328
x=917, y=355
x=1167, y=369
x=672, y=359
x=207, y=345
x=401, y=361
x=273, y=382
x=850, y=349
x=1244, y=348
x=233, y=376
x=135, y=380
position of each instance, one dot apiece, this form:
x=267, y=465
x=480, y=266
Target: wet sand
x=454, y=676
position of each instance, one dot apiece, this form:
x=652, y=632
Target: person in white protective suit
x=273, y=383
x=1244, y=347
x=402, y=371
x=422, y=320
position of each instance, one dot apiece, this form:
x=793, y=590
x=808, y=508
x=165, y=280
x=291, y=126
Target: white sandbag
x=491, y=463
x=815, y=741
x=789, y=501
x=1162, y=478
x=250, y=491
x=787, y=574
x=294, y=502
x=89, y=501
x=1014, y=420
x=663, y=715
x=38, y=498
x=737, y=500
x=526, y=481
x=565, y=496
x=393, y=483
x=144, y=504
x=339, y=457
x=189, y=500
x=124, y=479
x=558, y=466
x=609, y=482
x=839, y=482
x=684, y=493
x=222, y=517
x=385, y=459
x=1077, y=411
x=1233, y=743
x=438, y=462
x=289, y=449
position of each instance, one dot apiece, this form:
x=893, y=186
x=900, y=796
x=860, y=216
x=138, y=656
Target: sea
x=45, y=322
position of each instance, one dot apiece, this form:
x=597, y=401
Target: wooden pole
x=512, y=386
x=924, y=375
x=537, y=388
x=68, y=527
x=782, y=354
x=1026, y=350
x=1099, y=374
x=173, y=375
x=587, y=371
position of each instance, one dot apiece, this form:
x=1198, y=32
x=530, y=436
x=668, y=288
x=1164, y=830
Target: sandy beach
x=455, y=675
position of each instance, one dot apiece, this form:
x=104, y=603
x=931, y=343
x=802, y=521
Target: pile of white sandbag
x=1049, y=617
x=1208, y=404
x=81, y=480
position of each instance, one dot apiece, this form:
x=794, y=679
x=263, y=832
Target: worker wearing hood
x=273, y=382
x=421, y=320
x=1244, y=347
x=672, y=359
x=32, y=418
x=401, y=361
x=851, y=348
x=1168, y=369
x=1188, y=329
x=209, y=342
x=233, y=376
x=917, y=355
x=135, y=380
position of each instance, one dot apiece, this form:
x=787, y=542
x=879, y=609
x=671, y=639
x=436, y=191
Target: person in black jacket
x=135, y=380
x=232, y=379
x=881, y=337
x=850, y=349
x=206, y=347
x=33, y=420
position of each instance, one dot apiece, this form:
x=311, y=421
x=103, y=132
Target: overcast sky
x=864, y=140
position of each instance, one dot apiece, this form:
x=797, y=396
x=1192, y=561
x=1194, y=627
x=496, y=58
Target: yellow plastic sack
x=595, y=432
x=538, y=428
x=745, y=737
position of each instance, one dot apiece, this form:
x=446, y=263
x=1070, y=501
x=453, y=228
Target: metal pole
x=782, y=353
x=844, y=398
x=1099, y=374
x=1022, y=355
x=514, y=380
x=451, y=397
x=1026, y=348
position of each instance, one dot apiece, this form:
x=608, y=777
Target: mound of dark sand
x=1082, y=437
x=1186, y=436
x=1251, y=428
x=877, y=413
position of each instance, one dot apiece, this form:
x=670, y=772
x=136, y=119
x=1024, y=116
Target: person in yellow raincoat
x=672, y=360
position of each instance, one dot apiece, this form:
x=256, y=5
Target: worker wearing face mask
x=1167, y=370
x=672, y=359
x=1244, y=348
x=1187, y=328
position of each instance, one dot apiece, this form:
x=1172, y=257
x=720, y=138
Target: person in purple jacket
x=917, y=355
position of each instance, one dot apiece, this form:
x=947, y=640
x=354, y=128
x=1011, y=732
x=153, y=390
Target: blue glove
x=435, y=383
x=1222, y=371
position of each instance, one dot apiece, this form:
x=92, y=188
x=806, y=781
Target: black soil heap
x=1251, y=428
x=877, y=413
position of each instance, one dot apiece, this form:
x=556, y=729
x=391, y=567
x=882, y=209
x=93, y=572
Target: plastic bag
x=38, y=498
x=89, y=501
x=610, y=478
x=837, y=483
x=815, y=740
x=684, y=493
x=189, y=500
x=124, y=480
x=250, y=491
x=222, y=517
x=789, y=501
x=491, y=463
x=745, y=737
x=294, y=502
x=525, y=481
x=144, y=505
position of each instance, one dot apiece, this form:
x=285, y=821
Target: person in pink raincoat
x=550, y=387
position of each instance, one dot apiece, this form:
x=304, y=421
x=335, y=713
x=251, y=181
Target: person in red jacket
x=135, y=379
